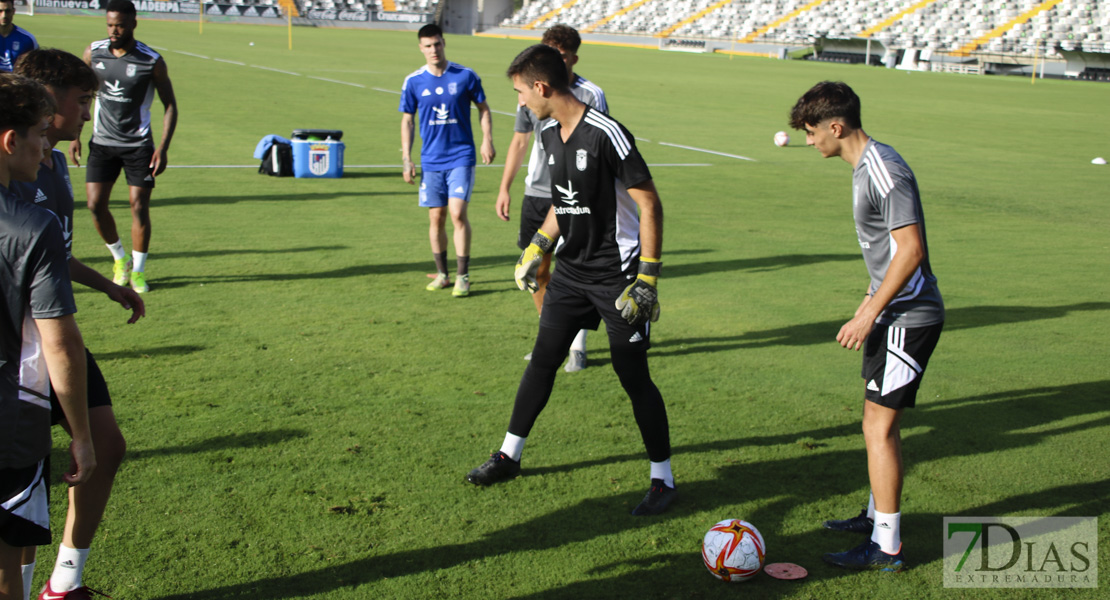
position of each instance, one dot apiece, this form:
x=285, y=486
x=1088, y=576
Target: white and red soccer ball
x=782, y=138
x=733, y=550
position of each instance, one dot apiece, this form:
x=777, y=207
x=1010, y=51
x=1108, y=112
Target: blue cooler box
x=316, y=159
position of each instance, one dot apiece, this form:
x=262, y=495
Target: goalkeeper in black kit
x=606, y=209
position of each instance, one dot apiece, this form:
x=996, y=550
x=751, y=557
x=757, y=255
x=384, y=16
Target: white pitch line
x=358, y=85
x=191, y=54
x=707, y=151
x=230, y=62
x=378, y=89
x=276, y=70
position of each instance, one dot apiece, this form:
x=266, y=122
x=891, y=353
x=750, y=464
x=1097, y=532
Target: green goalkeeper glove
x=530, y=259
x=639, y=302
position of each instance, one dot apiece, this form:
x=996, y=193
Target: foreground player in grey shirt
x=130, y=72
x=900, y=318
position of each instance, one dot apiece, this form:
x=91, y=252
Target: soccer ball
x=782, y=138
x=733, y=550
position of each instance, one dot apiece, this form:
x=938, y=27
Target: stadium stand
x=405, y=6
x=950, y=26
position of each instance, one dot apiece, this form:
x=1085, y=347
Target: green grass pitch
x=300, y=412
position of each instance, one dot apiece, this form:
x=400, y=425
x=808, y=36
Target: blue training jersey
x=442, y=109
x=15, y=43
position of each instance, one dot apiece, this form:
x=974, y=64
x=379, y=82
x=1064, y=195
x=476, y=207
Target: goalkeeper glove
x=530, y=259
x=639, y=302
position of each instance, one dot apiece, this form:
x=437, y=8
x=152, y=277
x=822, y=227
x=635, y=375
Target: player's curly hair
x=827, y=100
x=23, y=103
x=540, y=63
x=563, y=37
x=58, y=69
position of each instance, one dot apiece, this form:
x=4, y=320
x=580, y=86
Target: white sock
x=139, y=261
x=28, y=575
x=888, y=532
x=513, y=446
x=68, y=569
x=871, y=507
x=117, y=250
x=662, y=470
x=579, y=342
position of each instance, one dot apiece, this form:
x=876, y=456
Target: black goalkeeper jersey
x=599, y=222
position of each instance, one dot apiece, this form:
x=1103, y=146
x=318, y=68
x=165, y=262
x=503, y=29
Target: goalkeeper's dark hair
x=123, y=7
x=827, y=100
x=563, y=37
x=58, y=69
x=540, y=63
x=23, y=103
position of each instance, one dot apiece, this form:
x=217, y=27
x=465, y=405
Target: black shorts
x=569, y=306
x=533, y=212
x=25, y=506
x=894, y=361
x=105, y=162
x=98, y=390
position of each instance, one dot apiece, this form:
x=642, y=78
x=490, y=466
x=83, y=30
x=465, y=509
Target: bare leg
x=99, y=194
x=11, y=577
x=140, y=218
x=461, y=222
x=87, y=501
x=883, y=435
x=437, y=232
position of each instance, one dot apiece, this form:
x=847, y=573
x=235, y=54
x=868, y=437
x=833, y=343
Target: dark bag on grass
x=278, y=160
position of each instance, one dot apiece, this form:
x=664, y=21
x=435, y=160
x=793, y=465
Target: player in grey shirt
x=130, y=73
x=899, y=321
x=537, y=184
x=73, y=83
x=40, y=346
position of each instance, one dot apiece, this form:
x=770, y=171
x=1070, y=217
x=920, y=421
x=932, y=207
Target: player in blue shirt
x=14, y=40
x=439, y=94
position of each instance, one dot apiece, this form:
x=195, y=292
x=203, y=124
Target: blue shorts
x=437, y=186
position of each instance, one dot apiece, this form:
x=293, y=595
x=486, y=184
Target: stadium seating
x=942, y=25
x=409, y=6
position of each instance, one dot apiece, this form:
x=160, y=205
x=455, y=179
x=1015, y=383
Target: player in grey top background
x=130, y=73
x=537, y=183
x=899, y=320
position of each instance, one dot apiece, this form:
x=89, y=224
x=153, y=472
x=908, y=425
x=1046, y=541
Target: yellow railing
x=1001, y=29
x=752, y=36
x=668, y=31
x=894, y=18
x=550, y=14
x=620, y=12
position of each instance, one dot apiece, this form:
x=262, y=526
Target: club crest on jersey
x=452, y=88
x=580, y=159
x=131, y=70
x=15, y=46
x=318, y=159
